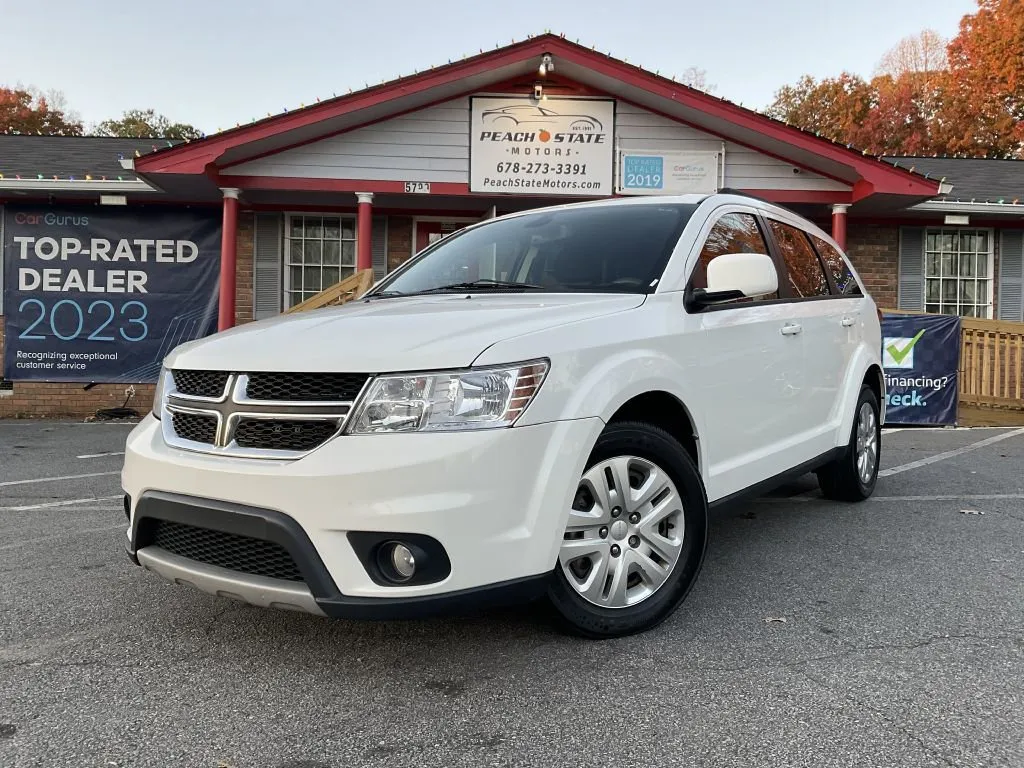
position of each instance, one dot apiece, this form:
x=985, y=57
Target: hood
x=397, y=334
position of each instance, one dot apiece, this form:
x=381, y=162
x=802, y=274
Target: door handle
x=847, y=322
x=791, y=329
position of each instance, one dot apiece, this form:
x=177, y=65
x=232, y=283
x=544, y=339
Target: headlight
x=160, y=392
x=480, y=398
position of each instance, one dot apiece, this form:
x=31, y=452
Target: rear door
x=746, y=370
x=814, y=317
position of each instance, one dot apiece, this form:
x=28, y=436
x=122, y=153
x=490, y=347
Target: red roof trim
x=195, y=156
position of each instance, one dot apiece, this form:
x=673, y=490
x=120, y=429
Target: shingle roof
x=973, y=179
x=69, y=156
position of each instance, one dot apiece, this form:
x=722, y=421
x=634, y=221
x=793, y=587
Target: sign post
x=102, y=295
x=921, y=359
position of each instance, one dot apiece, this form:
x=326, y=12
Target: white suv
x=543, y=404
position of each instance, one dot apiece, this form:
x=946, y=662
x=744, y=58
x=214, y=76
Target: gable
x=432, y=145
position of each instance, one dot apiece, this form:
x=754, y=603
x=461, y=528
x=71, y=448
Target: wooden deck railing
x=352, y=287
x=992, y=363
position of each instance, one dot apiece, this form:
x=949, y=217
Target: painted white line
x=55, y=479
x=950, y=454
x=64, y=503
x=99, y=455
x=937, y=497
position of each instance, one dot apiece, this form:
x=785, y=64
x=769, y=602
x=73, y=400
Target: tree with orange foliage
x=984, y=114
x=25, y=111
x=834, y=107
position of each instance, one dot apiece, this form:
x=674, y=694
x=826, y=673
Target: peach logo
x=543, y=135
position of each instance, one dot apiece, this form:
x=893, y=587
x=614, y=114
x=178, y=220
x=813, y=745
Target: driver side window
x=732, y=233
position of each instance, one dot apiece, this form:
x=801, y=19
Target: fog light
x=402, y=561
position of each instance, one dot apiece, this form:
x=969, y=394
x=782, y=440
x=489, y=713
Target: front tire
x=852, y=477
x=636, y=535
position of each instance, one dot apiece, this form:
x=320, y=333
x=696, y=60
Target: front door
x=428, y=232
x=747, y=367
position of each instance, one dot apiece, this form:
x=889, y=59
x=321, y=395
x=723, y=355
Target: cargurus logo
x=898, y=351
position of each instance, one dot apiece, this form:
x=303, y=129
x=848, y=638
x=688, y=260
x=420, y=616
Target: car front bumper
x=495, y=502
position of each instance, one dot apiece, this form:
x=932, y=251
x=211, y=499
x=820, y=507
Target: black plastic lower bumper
x=278, y=528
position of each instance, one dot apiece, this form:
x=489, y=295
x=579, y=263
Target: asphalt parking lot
x=889, y=633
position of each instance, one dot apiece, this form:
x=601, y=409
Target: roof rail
x=741, y=193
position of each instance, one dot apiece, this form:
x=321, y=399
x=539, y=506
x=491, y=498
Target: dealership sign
x=921, y=356
x=667, y=173
x=102, y=295
x=520, y=145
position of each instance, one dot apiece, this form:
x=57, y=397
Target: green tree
x=146, y=124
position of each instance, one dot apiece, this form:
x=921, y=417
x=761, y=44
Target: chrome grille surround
x=233, y=406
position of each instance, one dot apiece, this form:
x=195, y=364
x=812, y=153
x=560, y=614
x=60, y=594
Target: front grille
x=281, y=435
x=226, y=550
x=200, y=383
x=197, y=427
x=310, y=387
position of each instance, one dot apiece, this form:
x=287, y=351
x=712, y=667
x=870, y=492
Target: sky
x=215, y=63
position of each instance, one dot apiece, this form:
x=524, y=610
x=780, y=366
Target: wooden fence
x=992, y=363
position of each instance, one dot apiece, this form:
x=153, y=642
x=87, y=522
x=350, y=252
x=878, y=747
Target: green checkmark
x=899, y=355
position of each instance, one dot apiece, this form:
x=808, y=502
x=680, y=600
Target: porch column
x=364, y=231
x=228, y=260
x=839, y=224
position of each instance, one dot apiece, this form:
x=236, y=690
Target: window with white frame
x=319, y=251
x=958, y=272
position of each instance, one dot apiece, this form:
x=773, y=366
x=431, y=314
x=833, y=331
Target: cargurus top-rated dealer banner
x=921, y=356
x=103, y=294
x=519, y=145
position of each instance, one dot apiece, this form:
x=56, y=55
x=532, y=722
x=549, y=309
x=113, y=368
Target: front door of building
x=428, y=232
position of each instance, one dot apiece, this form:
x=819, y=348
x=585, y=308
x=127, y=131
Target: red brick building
x=367, y=179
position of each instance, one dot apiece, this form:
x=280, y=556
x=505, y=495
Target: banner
x=921, y=356
x=519, y=145
x=667, y=173
x=103, y=294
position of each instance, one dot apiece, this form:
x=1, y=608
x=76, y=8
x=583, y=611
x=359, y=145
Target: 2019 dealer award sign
x=520, y=145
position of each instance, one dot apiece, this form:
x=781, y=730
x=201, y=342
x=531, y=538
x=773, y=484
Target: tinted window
x=806, y=277
x=733, y=233
x=616, y=248
x=842, y=275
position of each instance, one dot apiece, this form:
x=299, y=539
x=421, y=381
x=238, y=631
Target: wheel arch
x=665, y=410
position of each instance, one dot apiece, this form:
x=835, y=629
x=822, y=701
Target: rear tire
x=852, y=476
x=628, y=559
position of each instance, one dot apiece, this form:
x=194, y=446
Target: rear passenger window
x=806, y=277
x=733, y=233
x=842, y=275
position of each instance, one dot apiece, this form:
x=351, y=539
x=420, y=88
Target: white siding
x=429, y=145
x=637, y=129
x=433, y=145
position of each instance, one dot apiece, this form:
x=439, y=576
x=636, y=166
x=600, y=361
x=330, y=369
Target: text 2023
x=66, y=319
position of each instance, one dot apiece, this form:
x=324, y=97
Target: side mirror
x=736, y=276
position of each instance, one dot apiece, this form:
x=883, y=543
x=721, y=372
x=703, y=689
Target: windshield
x=615, y=248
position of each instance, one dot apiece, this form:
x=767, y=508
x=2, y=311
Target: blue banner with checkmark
x=921, y=357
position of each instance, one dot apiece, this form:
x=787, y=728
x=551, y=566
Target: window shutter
x=2, y=265
x=911, y=269
x=267, y=265
x=1011, y=275
x=379, y=246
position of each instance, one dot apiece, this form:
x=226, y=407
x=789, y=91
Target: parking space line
x=7, y=483
x=949, y=454
x=64, y=503
x=934, y=497
x=99, y=455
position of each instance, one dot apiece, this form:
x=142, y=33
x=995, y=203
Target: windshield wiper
x=486, y=283
x=383, y=295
